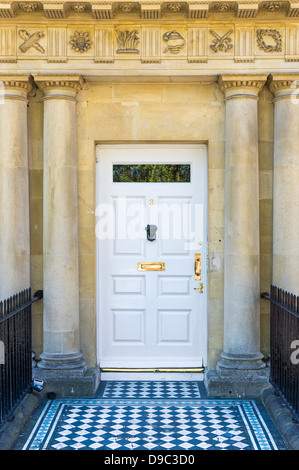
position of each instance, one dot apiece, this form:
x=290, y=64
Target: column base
x=240, y=362
x=68, y=383
x=63, y=362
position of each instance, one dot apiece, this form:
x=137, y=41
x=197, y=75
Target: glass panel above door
x=151, y=173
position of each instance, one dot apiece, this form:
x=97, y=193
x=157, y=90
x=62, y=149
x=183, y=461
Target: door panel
x=151, y=318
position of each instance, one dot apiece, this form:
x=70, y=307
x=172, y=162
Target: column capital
x=284, y=85
x=239, y=85
x=15, y=86
x=55, y=85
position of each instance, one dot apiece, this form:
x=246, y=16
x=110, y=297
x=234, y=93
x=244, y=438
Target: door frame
x=205, y=262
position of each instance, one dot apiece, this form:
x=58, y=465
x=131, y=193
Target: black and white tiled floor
x=150, y=416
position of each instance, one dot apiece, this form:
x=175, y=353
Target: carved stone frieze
x=149, y=43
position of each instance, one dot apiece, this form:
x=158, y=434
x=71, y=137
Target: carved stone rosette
x=80, y=41
x=28, y=7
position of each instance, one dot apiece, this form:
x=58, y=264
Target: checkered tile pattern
x=146, y=424
x=151, y=389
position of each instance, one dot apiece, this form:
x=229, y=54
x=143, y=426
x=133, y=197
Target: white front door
x=151, y=230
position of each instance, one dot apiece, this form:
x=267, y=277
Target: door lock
x=199, y=288
x=151, y=232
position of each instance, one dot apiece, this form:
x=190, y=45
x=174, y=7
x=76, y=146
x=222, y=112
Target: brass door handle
x=197, y=267
x=200, y=288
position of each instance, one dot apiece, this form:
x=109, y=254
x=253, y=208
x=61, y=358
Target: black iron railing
x=284, y=346
x=15, y=350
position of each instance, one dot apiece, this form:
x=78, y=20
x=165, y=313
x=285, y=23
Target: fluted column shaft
x=14, y=185
x=241, y=271
x=285, y=88
x=60, y=224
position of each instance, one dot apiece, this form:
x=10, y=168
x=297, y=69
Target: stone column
x=61, y=350
x=241, y=352
x=285, y=88
x=14, y=185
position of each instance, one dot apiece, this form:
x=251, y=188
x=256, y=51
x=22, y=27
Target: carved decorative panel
x=244, y=44
x=220, y=42
x=292, y=44
x=31, y=42
x=80, y=42
x=127, y=41
x=8, y=44
x=197, y=45
x=104, y=45
x=174, y=42
x=269, y=41
x=57, y=51
x=150, y=45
